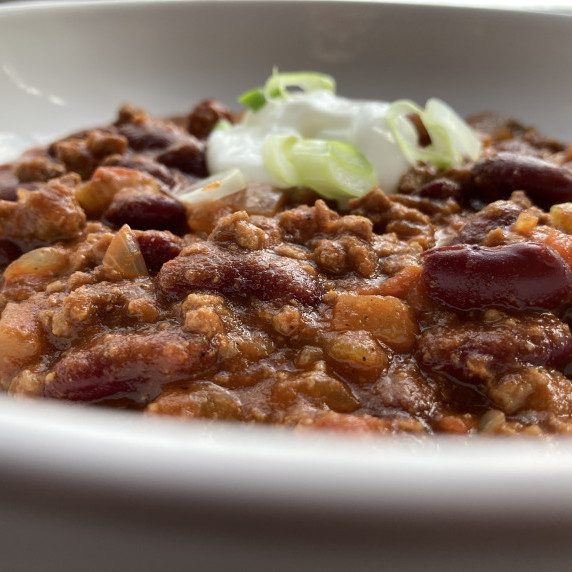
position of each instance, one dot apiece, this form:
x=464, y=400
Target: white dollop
x=314, y=115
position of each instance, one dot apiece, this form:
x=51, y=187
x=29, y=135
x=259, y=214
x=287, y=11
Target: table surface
x=556, y=5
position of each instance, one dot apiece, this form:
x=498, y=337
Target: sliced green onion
x=334, y=169
x=403, y=130
x=281, y=84
x=466, y=140
x=276, y=153
x=451, y=138
x=253, y=99
x=214, y=187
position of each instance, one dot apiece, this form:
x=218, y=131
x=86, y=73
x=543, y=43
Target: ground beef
x=444, y=308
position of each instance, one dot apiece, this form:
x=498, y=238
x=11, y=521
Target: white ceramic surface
x=87, y=489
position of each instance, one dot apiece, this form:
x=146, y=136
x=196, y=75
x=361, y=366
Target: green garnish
x=451, y=138
x=254, y=99
x=282, y=85
x=334, y=169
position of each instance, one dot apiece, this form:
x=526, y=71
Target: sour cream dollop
x=320, y=115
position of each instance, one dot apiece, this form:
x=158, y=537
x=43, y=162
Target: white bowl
x=87, y=489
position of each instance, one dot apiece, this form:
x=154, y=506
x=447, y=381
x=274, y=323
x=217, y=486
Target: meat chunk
x=38, y=168
x=500, y=214
x=535, y=388
x=481, y=351
x=315, y=388
x=303, y=224
x=104, y=304
x=43, y=216
x=198, y=401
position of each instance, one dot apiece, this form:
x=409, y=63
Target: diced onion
x=334, y=169
x=124, y=255
x=562, y=216
x=45, y=261
x=214, y=187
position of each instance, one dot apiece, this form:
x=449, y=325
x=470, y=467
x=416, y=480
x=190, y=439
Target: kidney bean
x=480, y=352
x=127, y=363
x=543, y=181
x=205, y=115
x=441, y=188
x=9, y=193
x=520, y=275
x=158, y=247
x=144, y=210
x=144, y=136
x=8, y=252
x=258, y=273
x=144, y=164
x=188, y=157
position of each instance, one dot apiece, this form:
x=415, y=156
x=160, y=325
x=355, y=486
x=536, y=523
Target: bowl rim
x=554, y=7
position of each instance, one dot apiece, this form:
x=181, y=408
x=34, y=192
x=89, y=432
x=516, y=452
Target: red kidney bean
x=146, y=136
x=143, y=210
x=520, y=275
x=543, y=181
x=8, y=252
x=205, y=115
x=441, y=188
x=188, y=157
x=144, y=164
x=158, y=247
x=478, y=352
x=258, y=273
x=9, y=193
x=129, y=363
